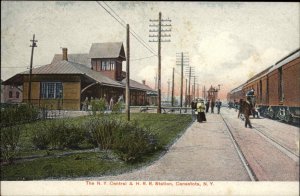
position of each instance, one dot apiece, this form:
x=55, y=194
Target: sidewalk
x=204, y=152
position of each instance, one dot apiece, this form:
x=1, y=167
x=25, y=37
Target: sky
x=226, y=42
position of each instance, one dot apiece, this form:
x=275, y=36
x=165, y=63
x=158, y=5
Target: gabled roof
x=66, y=67
x=76, y=58
x=136, y=85
x=107, y=50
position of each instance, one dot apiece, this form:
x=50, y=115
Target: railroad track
x=245, y=163
x=294, y=156
x=281, y=147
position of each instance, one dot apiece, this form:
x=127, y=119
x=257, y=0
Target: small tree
x=9, y=143
x=98, y=105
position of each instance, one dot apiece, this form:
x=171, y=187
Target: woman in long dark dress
x=201, y=110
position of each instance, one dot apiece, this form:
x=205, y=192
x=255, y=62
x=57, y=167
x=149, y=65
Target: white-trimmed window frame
x=51, y=90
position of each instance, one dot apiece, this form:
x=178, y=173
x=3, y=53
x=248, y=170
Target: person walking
x=247, y=107
x=240, y=107
x=200, y=110
x=207, y=105
x=111, y=103
x=85, y=104
x=194, y=107
x=218, y=104
x=212, y=106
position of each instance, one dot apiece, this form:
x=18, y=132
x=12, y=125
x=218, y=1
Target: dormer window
x=108, y=65
x=104, y=65
x=107, y=58
x=96, y=65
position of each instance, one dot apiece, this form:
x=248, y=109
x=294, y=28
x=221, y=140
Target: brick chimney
x=65, y=54
x=144, y=82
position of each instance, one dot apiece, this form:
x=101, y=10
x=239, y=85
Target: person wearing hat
x=193, y=107
x=218, y=105
x=200, y=110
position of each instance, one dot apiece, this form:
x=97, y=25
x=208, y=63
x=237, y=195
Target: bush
x=9, y=142
x=133, y=141
x=58, y=134
x=41, y=138
x=126, y=139
x=101, y=131
x=18, y=114
x=117, y=108
x=98, y=105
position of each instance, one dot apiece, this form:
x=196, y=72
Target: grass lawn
x=86, y=161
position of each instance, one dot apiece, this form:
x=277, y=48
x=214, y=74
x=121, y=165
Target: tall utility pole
x=182, y=60
x=198, y=90
x=189, y=73
x=159, y=40
x=172, y=101
x=33, y=45
x=194, y=87
x=168, y=97
x=127, y=73
x=190, y=85
x=155, y=78
x=185, y=93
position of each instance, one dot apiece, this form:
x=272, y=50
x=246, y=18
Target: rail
x=242, y=157
x=165, y=109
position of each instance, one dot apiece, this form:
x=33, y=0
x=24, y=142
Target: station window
x=98, y=65
x=17, y=95
x=108, y=65
x=280, y=86
x=94, y=65
x=51, y=90
x=260, y=90
x=10, y=94
x=104, y=65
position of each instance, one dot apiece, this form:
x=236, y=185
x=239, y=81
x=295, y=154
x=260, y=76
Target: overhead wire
x=134, y=34
x=131, y=29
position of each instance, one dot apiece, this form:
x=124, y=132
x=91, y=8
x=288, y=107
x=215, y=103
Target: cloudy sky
x=226, y=42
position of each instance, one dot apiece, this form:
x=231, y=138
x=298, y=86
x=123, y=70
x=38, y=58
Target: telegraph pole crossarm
x=160, y=27
x=127, y=73
x=33, y=45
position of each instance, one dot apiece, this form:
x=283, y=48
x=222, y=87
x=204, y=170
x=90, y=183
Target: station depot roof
x=64, y=67
x=80, y=64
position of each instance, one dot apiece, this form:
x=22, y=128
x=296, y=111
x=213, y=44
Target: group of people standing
x=201, y=108
x=108, y=105
x=213, y=104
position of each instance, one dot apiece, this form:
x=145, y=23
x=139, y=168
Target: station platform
x=209, y=151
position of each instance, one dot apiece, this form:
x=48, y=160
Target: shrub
x=9, y=142
x=101, y=131
x=41, y=139
x=98, y=105
x=117, y=108
x=58, y=134
x=128, y=140
x=18, y=114
x=133, y=141
x=74, y=136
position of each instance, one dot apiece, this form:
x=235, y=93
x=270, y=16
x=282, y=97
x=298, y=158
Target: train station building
x=71, y=78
